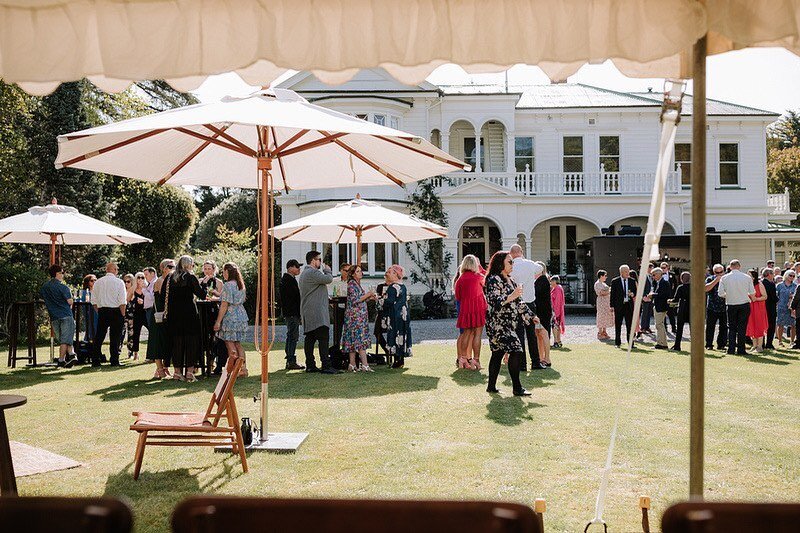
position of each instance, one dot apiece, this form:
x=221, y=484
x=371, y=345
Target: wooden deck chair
x=210, y=514
x=218, y=426
x=65, y=515
x=717, y=517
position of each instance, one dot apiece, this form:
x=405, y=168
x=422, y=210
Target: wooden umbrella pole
x=53, y=238
x=359, y=233
x=264, y=166
x=698, y=255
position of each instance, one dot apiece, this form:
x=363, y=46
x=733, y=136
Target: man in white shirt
x=524, y=273
x=737, y=288
x=109, y=299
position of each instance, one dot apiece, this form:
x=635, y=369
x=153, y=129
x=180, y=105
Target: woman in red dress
x=758, y=323
x=471, y=313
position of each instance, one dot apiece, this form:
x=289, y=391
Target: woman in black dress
x=158, y=345
x=183, y=322
x=135, y=309
x=506, y=309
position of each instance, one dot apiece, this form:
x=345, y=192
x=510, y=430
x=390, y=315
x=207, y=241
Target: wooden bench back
x=719, y=517
x=221, y=514
x=65, y=515
x=223, y=393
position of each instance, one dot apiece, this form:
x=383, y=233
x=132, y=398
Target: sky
x=764, y=78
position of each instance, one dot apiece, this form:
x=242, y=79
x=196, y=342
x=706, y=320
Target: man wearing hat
x=290, y=307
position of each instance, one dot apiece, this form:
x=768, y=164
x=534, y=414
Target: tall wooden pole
x=698, y=255
x=359, y=233
x=264, y=258
x=53, y=240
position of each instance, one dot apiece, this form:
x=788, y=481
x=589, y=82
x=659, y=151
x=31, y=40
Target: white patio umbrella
x=273, y=137
x=358, y=221
x=61, y=224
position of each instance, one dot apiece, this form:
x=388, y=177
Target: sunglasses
x=170, y=267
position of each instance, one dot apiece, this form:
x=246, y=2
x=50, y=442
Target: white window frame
x=738, y=163
x=533, y=152
x=676, y=163
x=583, y=152
x=618, y=155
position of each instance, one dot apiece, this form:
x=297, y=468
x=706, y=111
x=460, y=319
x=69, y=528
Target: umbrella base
x=275, y=443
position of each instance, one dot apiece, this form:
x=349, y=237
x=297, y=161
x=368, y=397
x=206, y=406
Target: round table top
x=7, y=401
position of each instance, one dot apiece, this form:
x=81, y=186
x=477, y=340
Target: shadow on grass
x=709, y=355
x=763, y=358
x=468, y=378
x=510, y=411
x=31, y=376
x=136, y=388
x=382, y=382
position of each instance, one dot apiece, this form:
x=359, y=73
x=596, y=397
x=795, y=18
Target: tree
x=17, y=168
x=165, y=214
x=786, y=131
x=237, y=213
x=207, y=198
x=783, y=171
x=431, y=260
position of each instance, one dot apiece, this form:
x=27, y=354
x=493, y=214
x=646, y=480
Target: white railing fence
x=779, y=203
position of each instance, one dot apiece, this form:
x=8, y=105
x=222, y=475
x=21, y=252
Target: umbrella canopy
x=358, y=221
x=112, y=42
x=217, y=144
x=40, y=224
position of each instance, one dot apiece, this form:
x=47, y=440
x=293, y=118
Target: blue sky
x=765, y=78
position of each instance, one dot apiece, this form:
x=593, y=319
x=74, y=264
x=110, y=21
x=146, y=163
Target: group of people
x=517, y=303
x=166, y=305
x=305, y=299
x=742, y=308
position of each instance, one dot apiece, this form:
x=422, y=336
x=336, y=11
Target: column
x=451, y=246
x=478, y=167
x=510, y=168
x=508, y=242
x=445, y=137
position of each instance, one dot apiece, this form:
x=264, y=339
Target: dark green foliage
x=785, y=133
x=431, y=260
x=783, y=171
x=207, y=198
x=238, y=213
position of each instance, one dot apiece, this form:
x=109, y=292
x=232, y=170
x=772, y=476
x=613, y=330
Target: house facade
x=553, y=166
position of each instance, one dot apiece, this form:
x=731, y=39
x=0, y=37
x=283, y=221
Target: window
x=572, y=249
x=523, y=153
x=362, y=116
x=380, y=257
x=683, y=161
x=555, y=249
x=480, y=238
x=728, y=164
x=379, y=119
x=395, y=258
x=344, y=255
x=469, y=152
x=327, y=253
x=609, y=152
x=394, y=122
x=573, y=154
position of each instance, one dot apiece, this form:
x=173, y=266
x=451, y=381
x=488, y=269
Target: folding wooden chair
x=209, y=514
x=65, y=515
x=195, y=429
x=718, y=517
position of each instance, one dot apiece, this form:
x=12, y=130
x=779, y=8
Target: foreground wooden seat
x=718, y=517
x=65, y=515
x=211, y=514
x=218, y=426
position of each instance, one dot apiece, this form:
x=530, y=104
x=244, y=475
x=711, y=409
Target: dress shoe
x=741, y=353
x=398, y=364
x=493, y=391
x=521, y=392
x=294, y=366
x=661, y=347
x=330, y=370
x=709, y=347
x=676, y=348
x=312, y=369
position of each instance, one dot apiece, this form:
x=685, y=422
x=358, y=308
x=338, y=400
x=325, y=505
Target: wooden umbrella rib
x=111, y=147
x=339, y=238
x=186, y=161
x=393, y=234
x=452, y=162
x=368, y=162
x=436, y=232
x=313, y=144
x=213, y=140
x=295, y=232
x=4, y=235
x=230, y=138
x=278, y=157
x=115, y=239
x=292, y=139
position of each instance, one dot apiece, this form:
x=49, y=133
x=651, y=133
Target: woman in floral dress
x=506, y=309
x=785, y=290
x=355, y=331
x=396, y=318
x=605, y=315
x=231, y=324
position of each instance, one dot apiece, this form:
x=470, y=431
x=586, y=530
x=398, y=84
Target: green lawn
x=430, y=431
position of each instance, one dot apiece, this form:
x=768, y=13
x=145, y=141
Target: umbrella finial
x=53, y=201
x=358, y=196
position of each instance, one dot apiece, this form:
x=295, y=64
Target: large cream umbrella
x=358, y=221
x=270, y=139
x=61, y=224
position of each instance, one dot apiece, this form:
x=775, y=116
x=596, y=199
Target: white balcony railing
x=568, y=183
x=779, y=203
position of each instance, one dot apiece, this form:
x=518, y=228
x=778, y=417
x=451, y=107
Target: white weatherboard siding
x=524, y=206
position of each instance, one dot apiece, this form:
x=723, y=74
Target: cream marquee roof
x=45, y=42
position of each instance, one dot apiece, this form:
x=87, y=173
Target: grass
x=430, y=431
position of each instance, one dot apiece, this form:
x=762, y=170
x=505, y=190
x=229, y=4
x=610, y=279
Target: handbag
x=161, y=316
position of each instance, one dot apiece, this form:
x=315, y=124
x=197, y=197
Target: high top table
x=8, y=482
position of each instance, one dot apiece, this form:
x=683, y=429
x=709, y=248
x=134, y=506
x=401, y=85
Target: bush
x=237, y=213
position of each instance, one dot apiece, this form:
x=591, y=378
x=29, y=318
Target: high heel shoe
x=366, y=368
x=464, y=363
x=476, y=364
x=351, y=368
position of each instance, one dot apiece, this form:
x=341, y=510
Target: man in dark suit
x=768, y=280
x=623, y=291
x=660, y=296
x=672, y=279
x=289, y=293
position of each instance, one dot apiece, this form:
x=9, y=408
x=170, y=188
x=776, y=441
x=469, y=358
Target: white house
x=557, y=165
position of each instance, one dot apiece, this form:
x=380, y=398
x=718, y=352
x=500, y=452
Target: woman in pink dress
x=472, y=312
x=605, y=315
x=758, y=323
x=558, y=301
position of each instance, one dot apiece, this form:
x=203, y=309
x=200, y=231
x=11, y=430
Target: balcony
x=569, y=183
x=779, y=203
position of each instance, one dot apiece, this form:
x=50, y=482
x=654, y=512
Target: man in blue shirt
x=58, y=300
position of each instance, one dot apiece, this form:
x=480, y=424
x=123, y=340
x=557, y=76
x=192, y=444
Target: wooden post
x=698, y=258
x=264, y=258
x=539, y=507
x=53, y=238
x=644, y=505
x=359, y=233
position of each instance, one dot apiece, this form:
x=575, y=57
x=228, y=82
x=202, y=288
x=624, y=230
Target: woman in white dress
x=605, y=315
